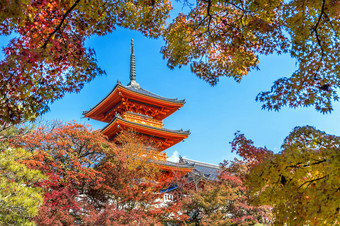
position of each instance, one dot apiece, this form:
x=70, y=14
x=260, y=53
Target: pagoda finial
x=133, y=82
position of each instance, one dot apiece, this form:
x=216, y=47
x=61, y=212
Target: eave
x=167, y=165
x=140, y=95
x=170, y=137
x=174, y=169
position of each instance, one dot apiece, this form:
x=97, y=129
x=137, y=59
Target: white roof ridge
x=201, y=163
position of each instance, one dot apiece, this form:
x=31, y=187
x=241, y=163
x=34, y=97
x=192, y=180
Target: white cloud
x=174, y=157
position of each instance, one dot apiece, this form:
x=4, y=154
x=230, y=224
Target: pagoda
x=132, y=107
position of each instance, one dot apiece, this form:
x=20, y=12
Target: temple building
x=132, y=107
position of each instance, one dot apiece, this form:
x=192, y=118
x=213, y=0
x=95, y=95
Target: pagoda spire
x=133, y=82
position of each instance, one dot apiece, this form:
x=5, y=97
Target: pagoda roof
x=171, y=137
x=135, y=93
x=147, y=93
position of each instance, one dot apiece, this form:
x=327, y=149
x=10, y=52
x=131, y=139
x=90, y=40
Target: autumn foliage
x=224, y=201
x=66, y=154
x=94, y=181
x=226, y=38
x=301, y=182
x=48, y=58
x=66, y=174
x=90, y=180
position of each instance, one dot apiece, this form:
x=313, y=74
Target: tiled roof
x=207, y=170
x=147, y=93
x=181, y=131
x=174, y=164
x=139, y=90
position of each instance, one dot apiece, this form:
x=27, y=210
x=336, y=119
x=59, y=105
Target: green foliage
x=19, y=198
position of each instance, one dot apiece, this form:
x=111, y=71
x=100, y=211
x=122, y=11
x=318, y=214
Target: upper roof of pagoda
x=161, y=107
x=152, y=95
x=133, y=98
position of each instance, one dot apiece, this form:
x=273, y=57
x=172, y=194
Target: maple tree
x=302, y=182
x=66, y=154
x=225, y=38
x=47, y=58
x=132, y=184
x=224, y=201
x=95, y=181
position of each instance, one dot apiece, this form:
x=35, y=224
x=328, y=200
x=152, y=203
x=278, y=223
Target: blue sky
x=213, y=114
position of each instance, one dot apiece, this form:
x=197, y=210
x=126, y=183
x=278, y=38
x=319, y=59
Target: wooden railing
x=143, y=120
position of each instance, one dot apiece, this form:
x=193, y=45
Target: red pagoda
x=131, y=107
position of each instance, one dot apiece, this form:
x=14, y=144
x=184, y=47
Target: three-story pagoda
x=132, y=107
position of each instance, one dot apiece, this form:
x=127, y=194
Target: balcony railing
x=143, y=120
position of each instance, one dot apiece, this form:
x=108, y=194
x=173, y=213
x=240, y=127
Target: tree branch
x=305, y=165
x=311, y=181
x=316, y=27
x=60, y=24
x=209, y=15
x=330, y=22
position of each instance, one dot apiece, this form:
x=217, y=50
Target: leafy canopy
x=224, y=201
x=47, y=58
x=225, y=38
x=302, y=182
x=94, y=181
x=66, y=154
x=20, y=199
